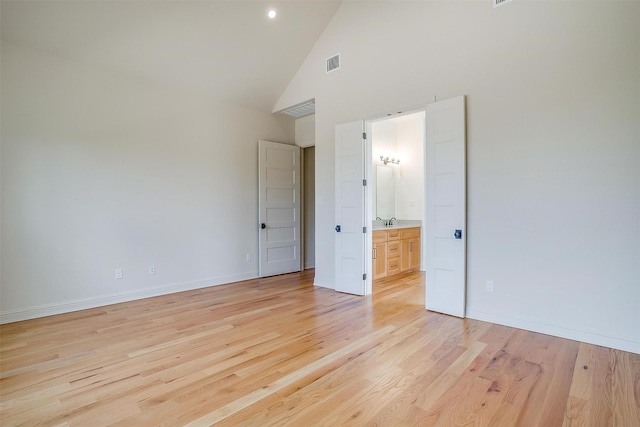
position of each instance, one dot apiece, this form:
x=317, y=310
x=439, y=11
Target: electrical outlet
x=118, y=273
x=247, y=257
x=489, y=285
x=152, y=269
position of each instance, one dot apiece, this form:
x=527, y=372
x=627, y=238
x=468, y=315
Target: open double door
x=445, y=208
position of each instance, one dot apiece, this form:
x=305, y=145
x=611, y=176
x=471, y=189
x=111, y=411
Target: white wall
x=102, y=170
x=553, y=133
x=305, y=130
x=410, y=188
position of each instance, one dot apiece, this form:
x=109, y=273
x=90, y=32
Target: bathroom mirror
x=385, y=192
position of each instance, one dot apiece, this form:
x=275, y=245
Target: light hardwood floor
x=278, y=351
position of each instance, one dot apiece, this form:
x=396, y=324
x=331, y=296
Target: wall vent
x=333, y=63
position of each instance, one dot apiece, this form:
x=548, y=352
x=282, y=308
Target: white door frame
x=369, y=171
x=368, y=214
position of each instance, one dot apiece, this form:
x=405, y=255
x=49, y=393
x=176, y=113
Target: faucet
x=384, y=221
x=391, y=221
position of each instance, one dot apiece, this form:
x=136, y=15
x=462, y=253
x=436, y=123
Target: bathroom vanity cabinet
x=395, y=250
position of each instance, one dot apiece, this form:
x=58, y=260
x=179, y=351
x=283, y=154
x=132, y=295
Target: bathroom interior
x=398, y=181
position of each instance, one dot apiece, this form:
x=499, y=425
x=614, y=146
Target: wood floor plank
x=578, y=411
x=556, y=363
x=625, y=388
x=434, y=391
x=321, y=393
x=285, y=381
x=279, y=351
x=465, y=402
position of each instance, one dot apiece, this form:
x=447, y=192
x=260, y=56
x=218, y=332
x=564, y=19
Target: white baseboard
x=100, y=301
x=558, y=331
x=320, y=285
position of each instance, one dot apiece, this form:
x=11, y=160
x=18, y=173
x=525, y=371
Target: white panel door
x=279, y=200
x=445, y=203
x=350, y=208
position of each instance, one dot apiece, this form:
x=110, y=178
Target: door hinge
x=364, y=135
x=364, y=229
x=364, y=276
x=364, y=182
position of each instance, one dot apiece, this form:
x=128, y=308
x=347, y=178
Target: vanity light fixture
x=387, y=159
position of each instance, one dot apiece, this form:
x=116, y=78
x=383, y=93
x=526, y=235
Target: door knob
x=338, y=228
x=263, y=225
x=458, y=234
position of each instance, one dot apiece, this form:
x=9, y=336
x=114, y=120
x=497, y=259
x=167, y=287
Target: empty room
x=320, y=213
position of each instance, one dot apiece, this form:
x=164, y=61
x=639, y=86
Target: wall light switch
x=152, y=269
x=118, y=273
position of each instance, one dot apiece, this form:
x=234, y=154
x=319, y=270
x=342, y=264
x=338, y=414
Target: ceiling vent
x=301, y=110
x=497, y=3
x=333, y=63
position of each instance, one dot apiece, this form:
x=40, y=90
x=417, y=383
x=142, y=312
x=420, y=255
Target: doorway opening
x=443, y=220
x=397, y=178
x=444, y=207
x=308, y=207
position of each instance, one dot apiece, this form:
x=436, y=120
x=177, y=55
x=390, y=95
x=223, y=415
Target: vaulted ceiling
x=226, y=49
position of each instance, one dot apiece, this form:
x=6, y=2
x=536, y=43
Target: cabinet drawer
x=379, y=236
x=393, y=265
x=393, y=235
x=393, y=249
x=410, y=233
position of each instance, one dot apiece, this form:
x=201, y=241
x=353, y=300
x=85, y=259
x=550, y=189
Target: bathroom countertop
x=378, y=225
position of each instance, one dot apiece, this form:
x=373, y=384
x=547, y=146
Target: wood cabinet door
x=405, y=256
x=414, y=253
x=379, y=260
x=410, y=253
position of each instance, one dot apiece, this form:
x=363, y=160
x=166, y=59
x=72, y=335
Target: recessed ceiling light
x=272, y=13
